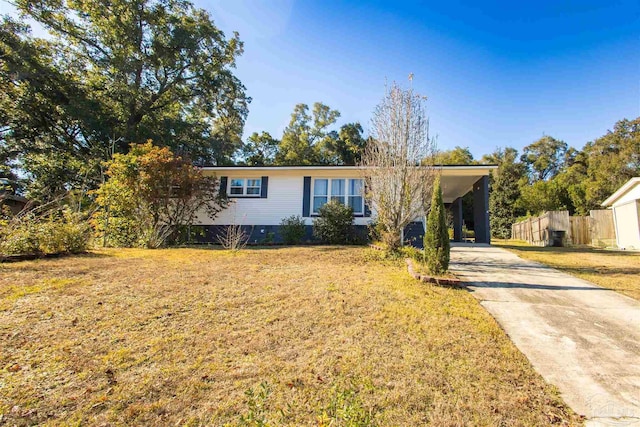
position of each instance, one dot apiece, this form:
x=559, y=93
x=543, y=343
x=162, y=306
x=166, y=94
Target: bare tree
x=398, y=163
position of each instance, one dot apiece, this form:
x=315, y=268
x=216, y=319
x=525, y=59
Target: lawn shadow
x=51, y=257
x=604, y=271
x=560, y=250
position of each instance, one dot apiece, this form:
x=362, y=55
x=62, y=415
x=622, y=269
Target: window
x=320, y=193
x=245, y=187
x=345, y=191
x=253, y=187
x=355, y=195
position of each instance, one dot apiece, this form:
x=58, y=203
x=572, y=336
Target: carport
x=456, y=182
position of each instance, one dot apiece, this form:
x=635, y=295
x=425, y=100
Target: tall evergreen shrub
x=436, y=238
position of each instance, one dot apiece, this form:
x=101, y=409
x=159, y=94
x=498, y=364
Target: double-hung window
x=245, y=187
x=342, y=190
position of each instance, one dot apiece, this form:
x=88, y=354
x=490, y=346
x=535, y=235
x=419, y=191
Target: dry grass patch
x=617, y=270
x=281, y=336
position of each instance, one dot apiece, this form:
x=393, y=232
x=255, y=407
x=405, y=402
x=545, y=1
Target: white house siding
x=627, y=222
x=284, y=197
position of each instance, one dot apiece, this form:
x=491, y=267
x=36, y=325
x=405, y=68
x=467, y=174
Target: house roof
x=333, y=167
x=628, y=186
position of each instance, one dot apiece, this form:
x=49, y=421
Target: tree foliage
x=346, y=147
x=260, y=149
x=457, y=156
x=545, y=158
x=150, y=194
x=306, y=136
x=114, y=73
x=504, y=194
x=553, y=176
x=46, y=119
x=436, y=236
x=612, y=160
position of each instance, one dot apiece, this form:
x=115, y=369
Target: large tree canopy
x=612, y=160
x=306, y=136
x=118, y=72
x=260, y=149
x=545, y=157
x=457, y=156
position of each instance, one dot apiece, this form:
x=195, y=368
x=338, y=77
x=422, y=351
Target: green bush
x=120, y=232
x=335, y=224
x=20, y=236
x=292, y=229
x=54, y=233
x=436, y=237
x=413, y=253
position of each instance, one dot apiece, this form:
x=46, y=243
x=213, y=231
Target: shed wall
x=627, y=222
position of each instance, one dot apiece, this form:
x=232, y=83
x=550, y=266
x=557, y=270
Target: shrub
x=292, y=229
x=269, y=238
x=335, y=224
x=20, y=237
x=413, y=253
x=59, y=231
x=234, y=238
x=150, y=194
x=436, y=237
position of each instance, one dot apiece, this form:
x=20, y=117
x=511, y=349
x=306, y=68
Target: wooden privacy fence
x=596, y=229
x=538, y=230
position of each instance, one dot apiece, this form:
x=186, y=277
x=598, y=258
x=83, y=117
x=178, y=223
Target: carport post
x=481, y=210
x=456, y=206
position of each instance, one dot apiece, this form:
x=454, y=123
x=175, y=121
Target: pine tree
x=436, y=238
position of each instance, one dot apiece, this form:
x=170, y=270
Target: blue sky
x=495, y=73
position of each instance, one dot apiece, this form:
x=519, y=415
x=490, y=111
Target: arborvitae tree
x=436, y=238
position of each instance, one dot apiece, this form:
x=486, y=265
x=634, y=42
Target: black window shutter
x=264, y=187
x=306, y=196
x=223, y=186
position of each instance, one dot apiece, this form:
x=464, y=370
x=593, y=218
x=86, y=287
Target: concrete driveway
x=580, y=337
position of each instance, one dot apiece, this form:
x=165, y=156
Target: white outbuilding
x=625, y=204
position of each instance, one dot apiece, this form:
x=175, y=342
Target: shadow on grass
x=603, y=271
x=51, y=257
x=561, y=250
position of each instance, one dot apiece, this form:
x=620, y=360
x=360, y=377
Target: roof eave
x=621, y=191
x=309, y=167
